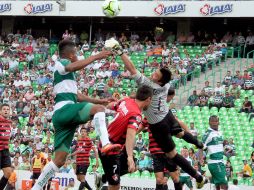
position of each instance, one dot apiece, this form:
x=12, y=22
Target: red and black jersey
x=128, y=116
x=5, y=133
x=84, y=146
x=153, y=146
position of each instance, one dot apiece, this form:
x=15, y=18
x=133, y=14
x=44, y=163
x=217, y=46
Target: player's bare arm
x=82, y=98
x=78, y=65
x=129, y=143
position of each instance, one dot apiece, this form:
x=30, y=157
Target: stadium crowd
x=26, y=71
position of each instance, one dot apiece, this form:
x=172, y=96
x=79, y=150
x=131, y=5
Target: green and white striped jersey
x=65, y=86
x=183, y=173
x=214, y=142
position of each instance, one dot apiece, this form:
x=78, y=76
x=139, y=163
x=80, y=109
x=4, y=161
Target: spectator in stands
x=208, y=89
x=144, y=163
x=247, y=106
x=216, y=101
x=234, y=90
x=193, y=130
x=193, y=99
x=248, y=83
x=229, y=170
x=229, y=148
x=249, y=43
x=203, y=98
x=228, y=101
x=70, y=185
x=246, y=171
x=219, y=88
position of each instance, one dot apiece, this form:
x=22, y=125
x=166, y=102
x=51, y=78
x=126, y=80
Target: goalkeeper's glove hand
x=113, y=46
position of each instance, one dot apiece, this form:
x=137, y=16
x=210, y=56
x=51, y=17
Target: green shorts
x=66, y=120
x=218, y=172
x=186, y=180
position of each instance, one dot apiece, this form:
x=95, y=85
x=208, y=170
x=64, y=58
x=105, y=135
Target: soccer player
x=184, y=177
x=213, y=140
x=84, y=147
x=161, y=162
x=161, y=121
x=122, y=130
x=72, y=108
x=5, y=132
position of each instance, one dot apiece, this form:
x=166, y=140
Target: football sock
x=82, y=186
x=88, y=186
x=188, y=137
x=47, y=172
x=3, y=182
x=101, y=128
x=185, y=165
x=178, y=186
x=159, y=187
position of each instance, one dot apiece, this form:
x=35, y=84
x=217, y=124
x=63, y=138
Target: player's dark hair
x=65, y=46
x=166, y=76
x=213, y=117
x=144, y=92
x=171, y=92
x=3, y=105
x=235, y=181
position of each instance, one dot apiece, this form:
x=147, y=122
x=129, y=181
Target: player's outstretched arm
x=78, y=65
x=128, y=64
x=183, y=125
x=83, y=98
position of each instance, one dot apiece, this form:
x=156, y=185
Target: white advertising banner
x=132, y=8
x=126, y=182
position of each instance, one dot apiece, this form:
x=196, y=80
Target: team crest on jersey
x=115, y=177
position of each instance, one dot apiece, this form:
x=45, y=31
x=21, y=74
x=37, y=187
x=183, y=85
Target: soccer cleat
x=111, y=147
x=202, y=183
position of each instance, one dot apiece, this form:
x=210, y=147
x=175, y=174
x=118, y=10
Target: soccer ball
x=111, y=8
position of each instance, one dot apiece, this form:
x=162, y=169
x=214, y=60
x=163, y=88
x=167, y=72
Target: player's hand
x=131, y=165
x=103, y=54
x=113, y=46
x=107, y=100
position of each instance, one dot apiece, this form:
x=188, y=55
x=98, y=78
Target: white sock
x=101, y=128
x=48, y=171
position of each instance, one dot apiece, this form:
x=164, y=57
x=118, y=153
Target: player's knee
x=97, y=108
x=180, y=135
x=159, y=180
x=171, y=154
x=175, y=177
x=114, y=187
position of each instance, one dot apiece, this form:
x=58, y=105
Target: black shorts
x=35, y=175
x=81, y=169
x=114, y=166
x=164, y=130
x=160, y=162
x=5, y=159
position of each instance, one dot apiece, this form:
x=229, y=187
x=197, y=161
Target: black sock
x=48, y=186
x=103, y=178
x=88, y=186
x=159, y=187
x=178, y=186
x=185, y=165
x=188, y=137
x=165, y=187
x=82, y=186
x=3, y=182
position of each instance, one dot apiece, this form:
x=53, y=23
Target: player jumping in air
x=161, y=120
x=72, y=108
x=122, y=130
x=5, y=133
